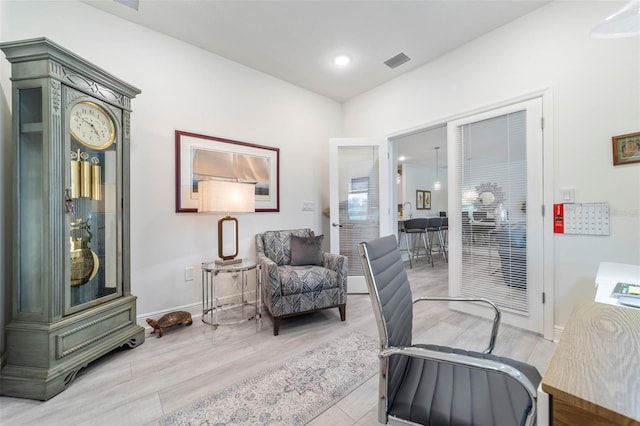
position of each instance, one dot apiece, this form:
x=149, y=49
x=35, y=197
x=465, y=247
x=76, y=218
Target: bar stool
x=433, y=228
x=417, y=228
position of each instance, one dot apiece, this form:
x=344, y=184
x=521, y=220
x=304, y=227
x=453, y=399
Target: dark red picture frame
x=269, y=198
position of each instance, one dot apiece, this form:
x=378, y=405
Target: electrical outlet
x=188, y=273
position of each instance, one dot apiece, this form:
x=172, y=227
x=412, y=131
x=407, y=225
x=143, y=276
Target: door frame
x=357, y=283
x=546, y=94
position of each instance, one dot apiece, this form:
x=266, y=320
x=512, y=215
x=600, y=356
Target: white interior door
x=496, y=219
x=359, y=199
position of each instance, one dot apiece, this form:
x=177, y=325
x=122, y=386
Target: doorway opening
x=420, y=159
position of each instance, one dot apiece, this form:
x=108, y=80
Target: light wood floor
x=137, y=387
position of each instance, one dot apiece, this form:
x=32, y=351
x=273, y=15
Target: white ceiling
x=296, y=40
x=419, y=148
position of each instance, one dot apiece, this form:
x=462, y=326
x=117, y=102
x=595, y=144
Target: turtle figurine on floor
x=169, y=320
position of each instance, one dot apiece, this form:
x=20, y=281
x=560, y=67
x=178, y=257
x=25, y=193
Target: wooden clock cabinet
x=71, y=299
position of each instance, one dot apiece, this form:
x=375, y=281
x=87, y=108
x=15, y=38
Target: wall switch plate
x=188, y=273
x=308, y=206
x=568, y=195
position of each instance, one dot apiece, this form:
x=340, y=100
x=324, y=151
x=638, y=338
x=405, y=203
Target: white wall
x=185, y=88
x=420, y=177
x=596, y=93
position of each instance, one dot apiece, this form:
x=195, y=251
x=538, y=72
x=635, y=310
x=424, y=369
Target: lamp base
x=227, y=262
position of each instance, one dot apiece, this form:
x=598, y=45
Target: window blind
x=493, y=190
x=359, y=208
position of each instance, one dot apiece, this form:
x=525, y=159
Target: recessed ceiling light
x=402, y=158
x=342, y=60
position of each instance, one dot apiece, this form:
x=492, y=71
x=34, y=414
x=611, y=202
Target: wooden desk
x=594, y=375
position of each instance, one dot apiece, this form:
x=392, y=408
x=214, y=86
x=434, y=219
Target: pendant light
x=624, y=23
x=437, y=185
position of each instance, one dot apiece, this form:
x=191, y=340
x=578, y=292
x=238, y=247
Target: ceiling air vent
x=397, y=60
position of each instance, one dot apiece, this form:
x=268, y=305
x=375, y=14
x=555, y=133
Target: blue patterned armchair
x=293, y=284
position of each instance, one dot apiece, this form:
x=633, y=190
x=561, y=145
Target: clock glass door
x=93, y=208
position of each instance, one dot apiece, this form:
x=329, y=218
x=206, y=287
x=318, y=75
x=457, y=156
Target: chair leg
x=427, y=248
x=441, y=241
x=406, y=242
x=343, y=312
x=276, y=326
x=415, y=251
x=431, y=234
x=416, y=247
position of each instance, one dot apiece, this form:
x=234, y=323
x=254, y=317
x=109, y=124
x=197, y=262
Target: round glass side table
x=236, y=308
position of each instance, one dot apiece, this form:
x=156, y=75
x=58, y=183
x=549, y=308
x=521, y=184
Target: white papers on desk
x=609, y=274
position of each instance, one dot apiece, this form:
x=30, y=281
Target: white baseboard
x=557, y=332
x=195, y=309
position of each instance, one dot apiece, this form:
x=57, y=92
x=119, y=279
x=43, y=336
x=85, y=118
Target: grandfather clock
x=71, y=278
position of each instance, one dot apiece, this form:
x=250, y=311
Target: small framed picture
x=427, y=200
x=423, y=199
x=626, y=149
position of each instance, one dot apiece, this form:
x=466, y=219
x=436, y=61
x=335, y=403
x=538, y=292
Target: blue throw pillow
x=306, y=250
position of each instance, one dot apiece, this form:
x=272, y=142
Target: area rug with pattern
x=292, y=394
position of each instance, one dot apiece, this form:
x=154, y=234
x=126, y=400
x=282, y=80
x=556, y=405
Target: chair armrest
x=496, y=317
x=270, y=275
x=339, y=264
x=471, y=362
x=334, y=261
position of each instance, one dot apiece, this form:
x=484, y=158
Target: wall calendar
x=581, y=218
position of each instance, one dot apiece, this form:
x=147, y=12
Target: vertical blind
x=493, y=189
x=359, y=195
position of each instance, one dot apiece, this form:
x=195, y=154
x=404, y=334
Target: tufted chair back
x=277, y=244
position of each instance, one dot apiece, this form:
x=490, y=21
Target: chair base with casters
x=437, y=385
x=290, y=289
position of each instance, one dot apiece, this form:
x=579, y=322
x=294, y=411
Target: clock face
x=91, y=125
